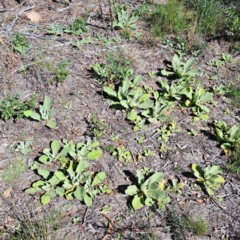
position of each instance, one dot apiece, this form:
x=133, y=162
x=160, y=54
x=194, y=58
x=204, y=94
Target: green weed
x=13, y=170
x=20, y=43
x=167, y=19
x=13, y=107
x=97, y=125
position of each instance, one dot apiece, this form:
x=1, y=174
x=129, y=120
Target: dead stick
x=17, y=16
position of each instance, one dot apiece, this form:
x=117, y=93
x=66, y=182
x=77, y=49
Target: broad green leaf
x=79, y=193
x=149, y=202
x=52, y=193
x=31, y=190
x=38, y=184
x=176, y=62
x=67, y=185
x=137, y=80
x=209, y=171
x=54, y=180
x=206, y=97
x=47, y=103
x=140, y=177
x=60, y=191
x=164, y=72
x=147, y=104
x=44, y=173
x=45, y=198
x=188, y=64
x=51, y=124
x=132, y=115
x=194, y=72
x=98, y=178
x=209, y=191
x=33, y=115
x=95, y=144
x=156, y=177
x=93, y=155
x=197, y=170
x=138, y=201
x=82, y=165
x=132, y=190
x=60, y=176
x=87, y=200
x=44, y=159
x=110, y=92
x=55, y=147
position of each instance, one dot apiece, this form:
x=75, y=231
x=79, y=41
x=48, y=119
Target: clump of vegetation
x=59, y=71
x=13, y=107
x=167, y=19
x=77, y=27
x=13, y=170
x=97, y=125
x=149, y=190
x=20, y=43
x=72, y=179
x=230, y=137
x=197, y=226
x=114, y=70
x=213, y=17
x=209, y=177
x=45, y=113
x=233, y=94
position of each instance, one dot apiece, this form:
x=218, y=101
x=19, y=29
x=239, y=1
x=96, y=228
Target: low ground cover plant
x=77, y=27
x=13, y=107
x=149, y=190
x=72, y=179
x=45, y=113
x=229, y=137
x=209, y=177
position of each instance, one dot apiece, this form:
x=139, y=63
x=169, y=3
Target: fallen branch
x=17, y=16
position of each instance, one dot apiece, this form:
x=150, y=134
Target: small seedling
x=168, y=130
x=56, y=30
x=77, y=27
x=136, y=120
x=105, y=209
x=79, y=44
x=114, y=137
x=149, y=190
x=46, y=113
x=209, y=177
x=20, y=43
x=13, y=107
x=124, y=20
x=175, y=186
x=122, y=154
x=140, y=139
x=181, y=69
x=98, y=126
x=24, y=147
